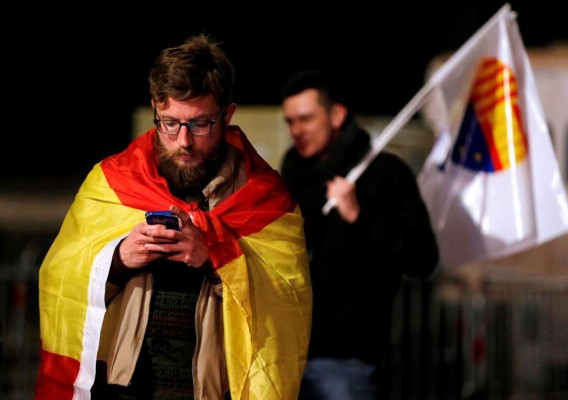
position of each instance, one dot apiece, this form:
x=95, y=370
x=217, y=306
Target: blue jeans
x=338, y=379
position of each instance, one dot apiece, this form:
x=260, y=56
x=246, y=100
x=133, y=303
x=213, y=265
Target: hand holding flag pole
x=380, y=141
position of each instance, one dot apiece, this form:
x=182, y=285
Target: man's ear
x=229, y=111
x=338, y=114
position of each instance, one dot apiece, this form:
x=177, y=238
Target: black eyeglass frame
x=189, y=124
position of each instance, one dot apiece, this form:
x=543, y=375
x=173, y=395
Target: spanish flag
x=256, y=245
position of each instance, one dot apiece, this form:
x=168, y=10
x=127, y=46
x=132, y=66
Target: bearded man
x=219, y=308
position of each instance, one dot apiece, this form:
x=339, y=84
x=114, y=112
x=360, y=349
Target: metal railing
x=507, y=339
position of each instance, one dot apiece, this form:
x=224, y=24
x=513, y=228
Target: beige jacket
x=128, y=310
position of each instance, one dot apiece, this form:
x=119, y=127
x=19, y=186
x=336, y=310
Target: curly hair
x=196, y=68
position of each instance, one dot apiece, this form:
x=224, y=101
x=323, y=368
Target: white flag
x=491, y=183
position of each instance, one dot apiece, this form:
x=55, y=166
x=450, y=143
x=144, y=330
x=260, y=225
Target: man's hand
x=343, y=192
x=147, y=243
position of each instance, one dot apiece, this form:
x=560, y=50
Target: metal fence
x=507, y=339
x=20, y=256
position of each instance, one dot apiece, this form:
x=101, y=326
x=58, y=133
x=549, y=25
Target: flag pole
x=393, y=127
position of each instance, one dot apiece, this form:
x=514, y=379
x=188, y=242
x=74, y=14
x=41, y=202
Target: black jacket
x=356, y=268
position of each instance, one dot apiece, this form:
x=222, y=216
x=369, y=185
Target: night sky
x=70, y=89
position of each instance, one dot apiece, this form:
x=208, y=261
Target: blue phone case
x=166, y=218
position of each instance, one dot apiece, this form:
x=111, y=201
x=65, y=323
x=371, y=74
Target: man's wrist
x=119, y=273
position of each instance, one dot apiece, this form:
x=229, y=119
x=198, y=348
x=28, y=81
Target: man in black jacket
x=379, y=230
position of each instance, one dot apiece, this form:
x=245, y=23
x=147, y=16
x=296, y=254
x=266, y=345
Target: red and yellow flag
x=256, y=244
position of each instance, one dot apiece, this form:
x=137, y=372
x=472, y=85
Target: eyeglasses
x=195, y=127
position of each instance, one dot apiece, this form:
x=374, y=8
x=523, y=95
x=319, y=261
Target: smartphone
x=167, y=218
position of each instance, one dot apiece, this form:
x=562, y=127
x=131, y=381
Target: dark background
x=72, y=82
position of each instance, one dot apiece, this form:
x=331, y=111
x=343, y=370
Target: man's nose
x=185, y=137
x=295, y=129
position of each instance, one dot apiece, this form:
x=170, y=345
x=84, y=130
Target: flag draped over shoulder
x=491, y=182
x=256, y=245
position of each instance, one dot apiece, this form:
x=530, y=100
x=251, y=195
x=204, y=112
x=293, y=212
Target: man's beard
x=188, y=180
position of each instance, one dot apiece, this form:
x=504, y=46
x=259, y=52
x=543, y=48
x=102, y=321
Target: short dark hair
x=197, y=67
x=312, y=79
